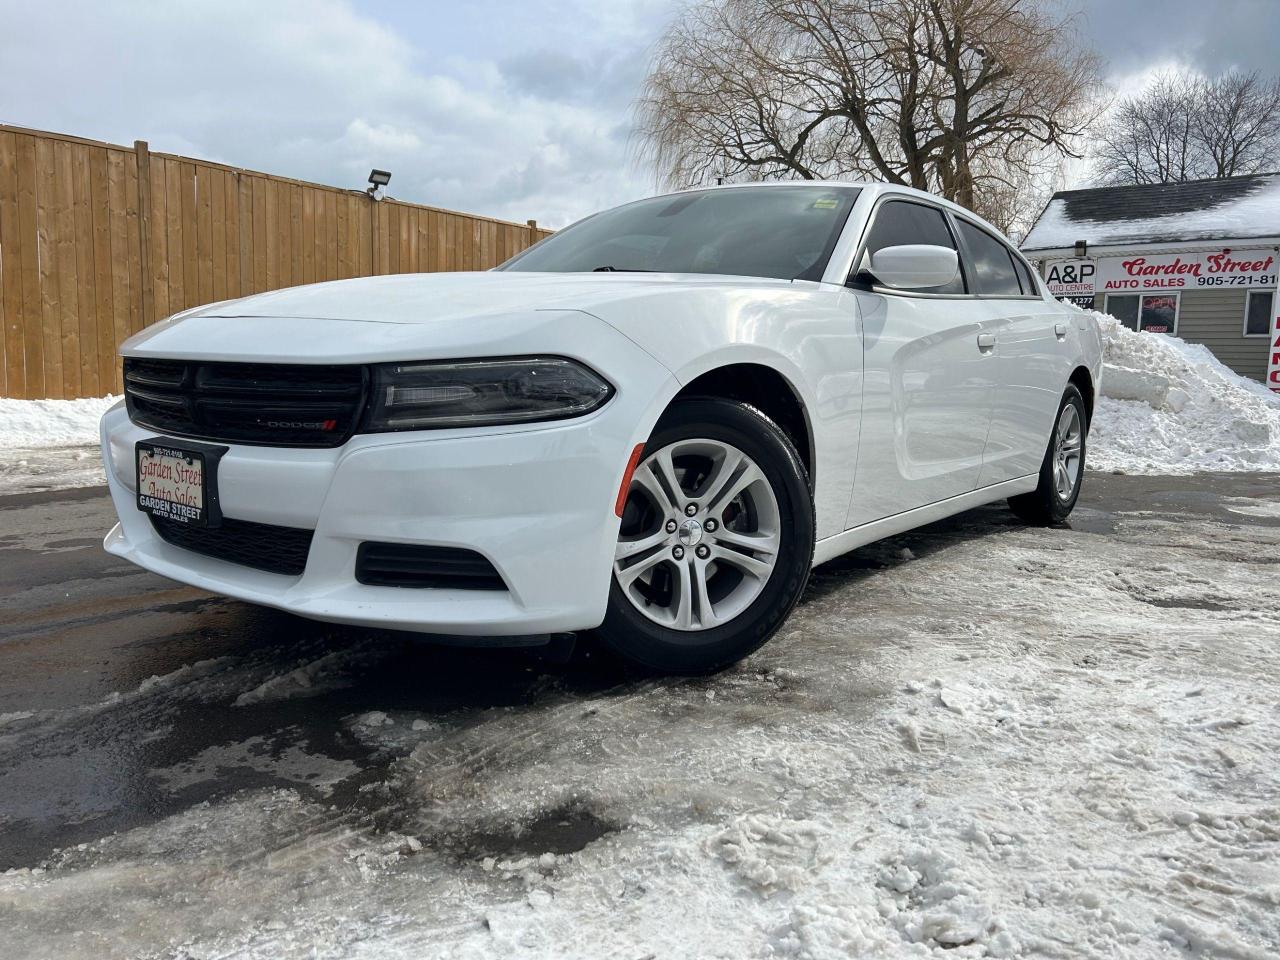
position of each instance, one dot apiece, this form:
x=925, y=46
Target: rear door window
x=993, y=263
x=900, y=222
x=1029, y=287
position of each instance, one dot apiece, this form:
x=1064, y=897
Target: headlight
x=476, y=393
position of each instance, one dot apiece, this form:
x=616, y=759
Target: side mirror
x=914, y=266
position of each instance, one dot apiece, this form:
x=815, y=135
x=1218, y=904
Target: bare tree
x=1187, y=127
x=1238, y=124
x=967, y=98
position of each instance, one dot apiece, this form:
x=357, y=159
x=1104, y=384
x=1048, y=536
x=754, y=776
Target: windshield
x=784, y=232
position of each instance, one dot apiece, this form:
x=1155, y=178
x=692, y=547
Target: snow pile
x=1169, y=406
x=50, y=444
x=33, y=424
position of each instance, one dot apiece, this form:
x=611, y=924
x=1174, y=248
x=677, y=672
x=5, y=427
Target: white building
x=1196, y=259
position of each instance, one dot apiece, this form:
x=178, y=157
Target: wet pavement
x=977, y=737
x=119, y=689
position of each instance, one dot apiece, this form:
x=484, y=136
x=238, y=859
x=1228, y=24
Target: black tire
x=641, y=642
x=1044, y=506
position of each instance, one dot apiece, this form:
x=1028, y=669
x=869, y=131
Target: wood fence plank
x=218, y=226
x=343, y=244
x=202, y=185
x=138, y=197
x=35, y=341
x=173, y=236
x=331, y=236
x=138, y=257
x=103, y=312
x=240, y=198
x=158, y=260
x=121, y=244
x=297, y=270
x=64, y=222
x=307, y=242
x=284, y=224
x=86, y=294
x=15, y=381
x=365, y=220
x=260, y=233
x=190, y=236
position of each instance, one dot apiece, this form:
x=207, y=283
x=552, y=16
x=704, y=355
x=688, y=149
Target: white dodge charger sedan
x=649, y=425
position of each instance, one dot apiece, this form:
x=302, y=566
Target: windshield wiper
x=608, y=269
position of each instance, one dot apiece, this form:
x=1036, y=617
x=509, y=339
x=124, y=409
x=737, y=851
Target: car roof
x=874, y=187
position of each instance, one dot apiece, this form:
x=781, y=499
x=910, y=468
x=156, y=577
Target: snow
x=1169, y=406
x=1076, y=760
x=50, y=444
x=1253, y=215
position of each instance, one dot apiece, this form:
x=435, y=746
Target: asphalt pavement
x=109, y=674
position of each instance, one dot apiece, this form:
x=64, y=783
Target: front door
x=929, y=367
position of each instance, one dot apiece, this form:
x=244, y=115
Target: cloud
x=321, y=91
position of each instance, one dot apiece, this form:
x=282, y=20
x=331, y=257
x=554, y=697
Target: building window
x=1152, y=312
x=1257, y=313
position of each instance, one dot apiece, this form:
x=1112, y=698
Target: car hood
x=448, y=298
x=440, y=315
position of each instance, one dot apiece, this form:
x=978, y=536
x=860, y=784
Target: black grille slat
x=263, y=546
x=285, y=405
x=412, y=565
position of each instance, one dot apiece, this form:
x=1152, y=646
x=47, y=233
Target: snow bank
x=34, y=424
x=50, y=444
x=1169, y=406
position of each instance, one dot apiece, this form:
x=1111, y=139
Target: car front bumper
x=537, y=502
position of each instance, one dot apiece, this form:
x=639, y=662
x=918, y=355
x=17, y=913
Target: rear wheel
x=1062, y=470
x=715, y=543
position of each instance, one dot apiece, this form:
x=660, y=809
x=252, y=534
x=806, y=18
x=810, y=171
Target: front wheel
x=1062, y=470
x=715, y=543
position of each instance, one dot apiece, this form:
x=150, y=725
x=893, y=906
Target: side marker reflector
x=632, y=463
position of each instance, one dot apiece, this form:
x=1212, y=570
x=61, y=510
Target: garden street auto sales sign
x=1221, y=269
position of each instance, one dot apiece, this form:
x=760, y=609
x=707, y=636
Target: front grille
x=411, y=565
x=263, y=546
x=273, y=404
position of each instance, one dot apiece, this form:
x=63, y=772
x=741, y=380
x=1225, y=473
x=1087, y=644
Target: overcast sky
x=512, y=109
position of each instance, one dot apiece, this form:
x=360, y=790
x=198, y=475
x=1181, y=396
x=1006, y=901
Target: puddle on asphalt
x=560, y=831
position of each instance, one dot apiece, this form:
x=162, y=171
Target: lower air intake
x=411, y=565
x=263, y=546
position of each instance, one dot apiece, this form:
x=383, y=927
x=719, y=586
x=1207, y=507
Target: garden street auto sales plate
x=175, y=483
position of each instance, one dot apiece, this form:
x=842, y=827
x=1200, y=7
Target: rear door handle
x=1060, y=329
x=986, y=341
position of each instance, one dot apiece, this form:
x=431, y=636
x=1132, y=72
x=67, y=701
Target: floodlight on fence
x=378, y=178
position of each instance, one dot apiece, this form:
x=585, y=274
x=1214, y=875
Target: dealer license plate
x=174, y=482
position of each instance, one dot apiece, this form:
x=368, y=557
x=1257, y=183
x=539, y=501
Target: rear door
x=1028, y=359
x=929, y=377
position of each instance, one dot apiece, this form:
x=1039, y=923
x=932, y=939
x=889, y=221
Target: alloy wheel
x=1067, y=445
x=700, y=535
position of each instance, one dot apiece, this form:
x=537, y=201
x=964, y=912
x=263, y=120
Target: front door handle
x=986, y=341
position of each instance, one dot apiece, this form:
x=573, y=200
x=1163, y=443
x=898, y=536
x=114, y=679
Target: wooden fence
x=97, y=241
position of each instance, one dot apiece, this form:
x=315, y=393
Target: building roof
x=1235, y=208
